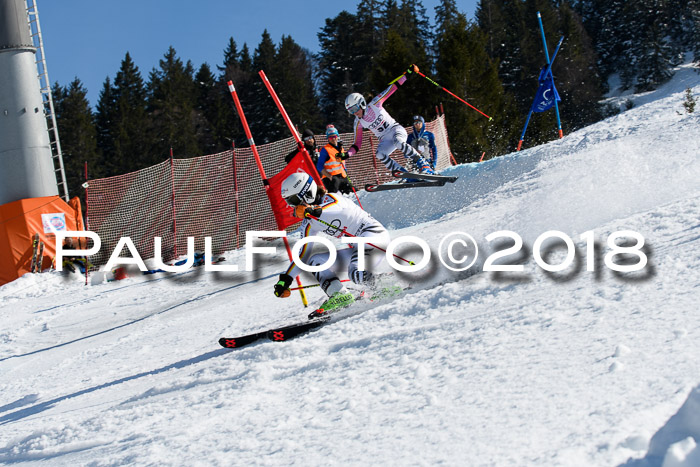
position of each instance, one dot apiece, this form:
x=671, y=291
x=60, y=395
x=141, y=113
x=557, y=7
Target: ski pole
x=417, y=71
x=314, y=285
x=351, y=235
x=410, y=69
x=400, y=76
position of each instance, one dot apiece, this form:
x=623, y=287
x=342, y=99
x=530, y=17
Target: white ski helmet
x=355, y=102
x=298, y=187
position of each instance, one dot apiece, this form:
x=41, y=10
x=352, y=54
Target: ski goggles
x=293, y=200
x=354, y=108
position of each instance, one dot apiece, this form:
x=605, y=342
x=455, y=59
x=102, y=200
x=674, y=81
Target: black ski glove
x=314, y=211
x=282, y=286
x=345, y=186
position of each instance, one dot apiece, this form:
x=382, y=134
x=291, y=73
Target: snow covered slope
x=533, y=368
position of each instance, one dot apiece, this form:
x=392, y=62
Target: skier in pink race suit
x=391, y=134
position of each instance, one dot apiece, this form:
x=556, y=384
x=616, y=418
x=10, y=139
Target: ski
x=434, y=177
x=39, y=258
x=288, y=332
x=315, y=320
x=277, y=334
x=35, y=251
x=237, y=342
x=398, y=186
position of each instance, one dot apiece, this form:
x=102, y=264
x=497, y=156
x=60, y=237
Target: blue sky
x=88, y=39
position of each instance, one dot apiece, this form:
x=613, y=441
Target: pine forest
x=492, y=61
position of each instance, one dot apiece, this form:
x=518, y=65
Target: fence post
x=172, y=198
x=374, y=159
x=447, y=137
x=87, y=223
x=235, y=190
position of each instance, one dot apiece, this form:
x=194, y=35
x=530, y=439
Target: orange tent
x=20, y=220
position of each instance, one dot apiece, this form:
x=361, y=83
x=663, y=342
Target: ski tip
x=237, y=342
x=228, y=343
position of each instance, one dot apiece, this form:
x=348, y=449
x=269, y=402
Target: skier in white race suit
x=301, y=192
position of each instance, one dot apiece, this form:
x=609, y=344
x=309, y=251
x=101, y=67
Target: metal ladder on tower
x=45, y=85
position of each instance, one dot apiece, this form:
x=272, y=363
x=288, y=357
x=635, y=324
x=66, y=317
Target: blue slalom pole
x=522, y=136
x=547, y=71
x=549, y=64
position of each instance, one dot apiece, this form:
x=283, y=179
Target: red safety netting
x=220, y=196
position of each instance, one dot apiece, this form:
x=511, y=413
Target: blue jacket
x=426, y=135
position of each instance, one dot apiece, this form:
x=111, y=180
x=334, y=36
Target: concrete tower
x=26, y=165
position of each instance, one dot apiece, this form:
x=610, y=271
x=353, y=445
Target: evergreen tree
x=122, y=122
x=240, y=72
x=171, y=103
x=415, y=27
x=230, y=55
x=657, y=55
x=695, y=30
x=129, y=120
x=76, y=125
x=410, y=23
x=389, y=64
x=407, y=42
x=368, y=36
x=504, y=24
x=214, y=119
x=446, y=15
x=292, y=79
x=104, y=117
x=464, y=67
x=494, y=63
x=577, y=77
x=342, y=65
x=265, y=121
x=245, y=60
x=612, y=36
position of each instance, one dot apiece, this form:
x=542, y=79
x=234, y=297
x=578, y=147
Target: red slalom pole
x=415, y=70
x=288, y=121
x=246, y=128
x=258, y=161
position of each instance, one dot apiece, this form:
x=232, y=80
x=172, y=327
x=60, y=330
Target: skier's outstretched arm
x=355, y=148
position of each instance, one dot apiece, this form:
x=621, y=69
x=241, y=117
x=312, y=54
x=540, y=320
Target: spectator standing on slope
x=423, y=141
x=330, y=163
